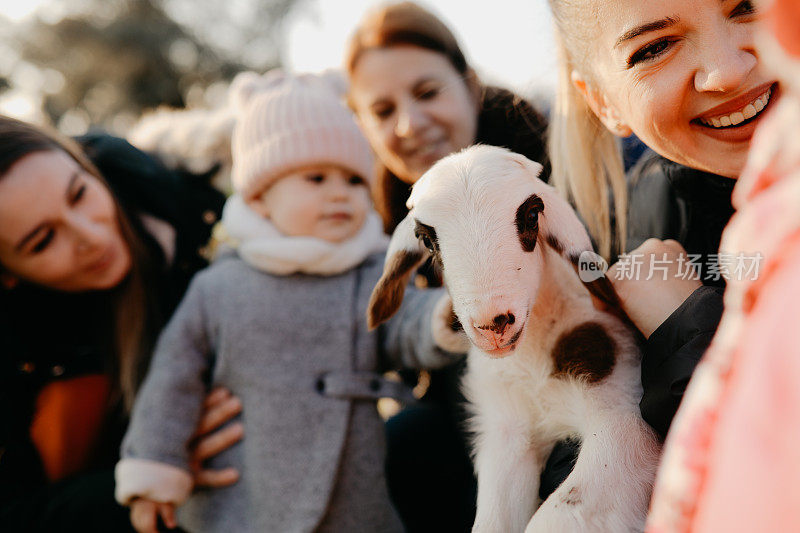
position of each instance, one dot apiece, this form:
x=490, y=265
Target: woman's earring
x=618, y=127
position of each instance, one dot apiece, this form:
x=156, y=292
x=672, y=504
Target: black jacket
x=669, y=201
x=47, y=336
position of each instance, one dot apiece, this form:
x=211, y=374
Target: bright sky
x=17, y=10
x=509, y=42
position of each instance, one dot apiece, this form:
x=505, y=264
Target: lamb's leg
x=609, y=488
x=508, y=467
x=508, y=472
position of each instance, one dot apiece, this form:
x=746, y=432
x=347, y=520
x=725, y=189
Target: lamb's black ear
x=404, y=256
x=602, y=289
x=561, y=230
x=591, y=269
x=559, y=226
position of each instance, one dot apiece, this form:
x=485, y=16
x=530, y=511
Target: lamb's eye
x=527, y=221
x=427, y=236
x=532, y=216
x=426, y=242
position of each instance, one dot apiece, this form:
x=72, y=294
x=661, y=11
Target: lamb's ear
x=562, y=230
x=599, y=286
x=404, y=256
x=559, y=226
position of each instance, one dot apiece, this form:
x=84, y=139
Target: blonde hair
x=586, y=157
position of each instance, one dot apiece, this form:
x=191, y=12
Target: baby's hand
x=447, y=332
x=145, y=513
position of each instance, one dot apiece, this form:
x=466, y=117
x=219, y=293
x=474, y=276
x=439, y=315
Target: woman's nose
x=725, y=66
x=89, y=234
x=410, y=120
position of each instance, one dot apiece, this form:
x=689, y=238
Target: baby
x=279, y=319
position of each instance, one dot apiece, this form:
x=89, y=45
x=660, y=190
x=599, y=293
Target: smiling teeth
x=737, y=117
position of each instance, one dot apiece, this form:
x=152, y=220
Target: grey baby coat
x=296, y=351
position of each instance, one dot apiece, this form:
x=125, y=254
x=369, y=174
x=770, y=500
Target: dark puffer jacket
x=671, y=201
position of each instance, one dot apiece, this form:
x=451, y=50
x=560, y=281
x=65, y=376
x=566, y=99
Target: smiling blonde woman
x=686, y=78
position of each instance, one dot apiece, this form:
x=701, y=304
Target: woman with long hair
x=97, y=244
x=685, y=78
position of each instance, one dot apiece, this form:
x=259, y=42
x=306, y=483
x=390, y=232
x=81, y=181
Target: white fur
x=520, y=408
x=153, y=480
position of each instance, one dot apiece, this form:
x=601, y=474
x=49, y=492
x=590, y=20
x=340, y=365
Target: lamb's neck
x=561, y=298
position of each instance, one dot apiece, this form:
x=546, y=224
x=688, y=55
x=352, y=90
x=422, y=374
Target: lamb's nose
x=499, y=323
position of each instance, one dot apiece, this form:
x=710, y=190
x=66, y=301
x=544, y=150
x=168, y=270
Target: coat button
x=320, y=385
x=374, y=385
x=57, y=370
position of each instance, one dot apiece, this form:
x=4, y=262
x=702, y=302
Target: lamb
x=545, y=364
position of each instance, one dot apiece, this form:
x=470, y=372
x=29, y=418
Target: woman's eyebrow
x=31, y=234
x=644, y=28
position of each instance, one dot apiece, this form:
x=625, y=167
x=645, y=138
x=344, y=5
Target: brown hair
x=404, y=23
x=398, y=24
x=136, y=311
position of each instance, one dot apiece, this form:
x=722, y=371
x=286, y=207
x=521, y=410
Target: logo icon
x=591, y=266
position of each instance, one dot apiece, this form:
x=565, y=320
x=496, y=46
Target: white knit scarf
x=263, y=247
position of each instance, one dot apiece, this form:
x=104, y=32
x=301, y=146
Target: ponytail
x=587, y=163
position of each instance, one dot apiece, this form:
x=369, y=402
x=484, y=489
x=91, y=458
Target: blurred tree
x=120, y=57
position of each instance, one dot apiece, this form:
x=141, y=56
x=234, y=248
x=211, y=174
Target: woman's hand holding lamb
x=672, y=279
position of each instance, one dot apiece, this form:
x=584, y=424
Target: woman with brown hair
x=418, y=100
x=97, y=244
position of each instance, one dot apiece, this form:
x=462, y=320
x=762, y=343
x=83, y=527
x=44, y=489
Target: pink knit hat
x=289, y=121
